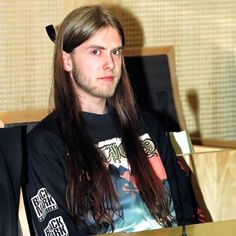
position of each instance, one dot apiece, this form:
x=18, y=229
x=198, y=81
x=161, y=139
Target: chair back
x=153, y=77
x=11, y=159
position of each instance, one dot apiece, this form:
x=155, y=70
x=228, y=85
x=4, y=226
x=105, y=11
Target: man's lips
x=107, y=78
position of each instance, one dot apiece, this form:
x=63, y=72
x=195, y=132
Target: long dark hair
x=89, y=187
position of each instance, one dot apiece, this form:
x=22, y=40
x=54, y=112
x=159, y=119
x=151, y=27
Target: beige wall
x=203, y=33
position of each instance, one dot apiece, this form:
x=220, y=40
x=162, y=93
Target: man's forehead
x=104, y=38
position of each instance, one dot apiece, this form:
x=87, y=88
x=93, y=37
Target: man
x=97, y=164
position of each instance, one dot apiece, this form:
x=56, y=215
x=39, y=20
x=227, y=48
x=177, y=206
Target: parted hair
x=90, y=191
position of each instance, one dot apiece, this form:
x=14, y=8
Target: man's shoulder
x=49, y=126
x=45, y=137
x=149, y=119
x=151, y=125
x=145, y=115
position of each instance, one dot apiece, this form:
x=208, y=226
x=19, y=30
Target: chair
x=11, y=159
x=153, y=77
x=27, y=118
x=13, y=129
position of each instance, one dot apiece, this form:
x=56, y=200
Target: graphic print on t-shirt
x=56, y=227
x=43, y=203
x=136, y=215
x=113, y=153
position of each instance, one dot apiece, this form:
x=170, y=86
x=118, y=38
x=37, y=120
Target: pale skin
x=96, y=67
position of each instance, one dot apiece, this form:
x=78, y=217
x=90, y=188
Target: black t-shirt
x=48, y=176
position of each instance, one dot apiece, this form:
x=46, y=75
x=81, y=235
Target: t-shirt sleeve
x=46, y=187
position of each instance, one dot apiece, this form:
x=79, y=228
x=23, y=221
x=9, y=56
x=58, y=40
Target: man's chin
x=106, y=94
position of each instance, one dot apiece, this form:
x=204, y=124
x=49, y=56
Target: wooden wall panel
x=213, y=173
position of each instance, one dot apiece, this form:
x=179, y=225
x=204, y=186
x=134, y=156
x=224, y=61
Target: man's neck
x=91, y=103
x=97, y=106
x=95, y=111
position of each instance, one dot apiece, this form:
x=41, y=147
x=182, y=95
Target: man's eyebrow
x=95, y=46
x=119, y=48
x=103, y=48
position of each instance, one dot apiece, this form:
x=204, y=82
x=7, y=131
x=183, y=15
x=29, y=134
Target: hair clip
x=51, y=32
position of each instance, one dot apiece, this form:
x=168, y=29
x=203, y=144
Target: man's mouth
x=107, y=78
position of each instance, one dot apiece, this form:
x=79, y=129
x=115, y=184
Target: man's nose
x=109, y=62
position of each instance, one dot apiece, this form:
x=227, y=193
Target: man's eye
x=96, y=52
x=117, y=52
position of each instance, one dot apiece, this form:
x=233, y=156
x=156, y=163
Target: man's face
x=96, y=64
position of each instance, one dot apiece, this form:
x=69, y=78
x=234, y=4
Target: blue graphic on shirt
x=136, y=216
